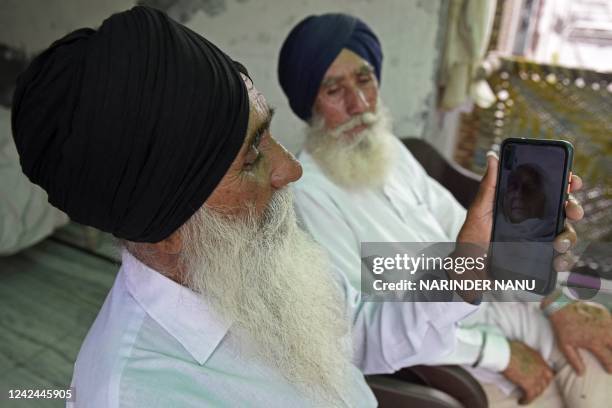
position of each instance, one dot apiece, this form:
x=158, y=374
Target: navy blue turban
x=129, y=128
x=310, y=49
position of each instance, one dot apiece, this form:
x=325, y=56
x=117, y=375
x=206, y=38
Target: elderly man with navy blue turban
x=360, y=184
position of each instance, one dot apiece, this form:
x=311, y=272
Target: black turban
x=312, y=46
x=131, y=127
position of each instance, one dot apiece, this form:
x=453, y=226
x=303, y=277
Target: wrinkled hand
x=479, y=220
x=528, y=370
x=580, y=325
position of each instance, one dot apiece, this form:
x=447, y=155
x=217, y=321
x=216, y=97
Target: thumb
x=486, y=192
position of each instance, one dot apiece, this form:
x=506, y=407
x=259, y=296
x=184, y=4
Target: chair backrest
x=463, y=184
x=393, y=393
x=452, y=380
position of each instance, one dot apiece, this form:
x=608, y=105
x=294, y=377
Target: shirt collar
x=179, y=310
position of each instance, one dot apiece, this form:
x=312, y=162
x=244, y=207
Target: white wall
x=34, y=24
x=252, y=31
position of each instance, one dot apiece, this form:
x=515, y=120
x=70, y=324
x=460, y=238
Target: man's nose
x=286, y=167
x=356, y=101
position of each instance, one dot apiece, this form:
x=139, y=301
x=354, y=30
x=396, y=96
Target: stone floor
x=49, y=296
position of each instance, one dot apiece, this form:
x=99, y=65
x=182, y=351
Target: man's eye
x=364, y=79
x=333, y=91
x=251, y=158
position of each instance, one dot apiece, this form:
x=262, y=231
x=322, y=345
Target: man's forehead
x=346, y=63
x=256, y=99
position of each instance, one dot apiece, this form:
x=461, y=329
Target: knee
x=593, y=389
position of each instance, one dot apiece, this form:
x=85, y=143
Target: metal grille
x=551, y=102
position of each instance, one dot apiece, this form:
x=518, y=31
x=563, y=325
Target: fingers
x=604, y=356
x=529, y=394
x=573, y=210
x=575, y=183
x=527, y=397
x=562, y=244
x=572, y=356
x=564, y=262
x=533, y=392
x=537, y=385
x=566, y=239
x=548, y=376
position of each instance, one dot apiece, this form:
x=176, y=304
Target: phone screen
x=528, y=210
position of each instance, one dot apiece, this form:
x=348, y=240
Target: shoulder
x=124, y=356
x=105, y=348
x=406, y=160
x=142, y=365
x=314, y=186
x=313, y=178
x=159, y=372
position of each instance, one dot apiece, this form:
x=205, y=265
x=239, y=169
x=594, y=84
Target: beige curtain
x=468, y=32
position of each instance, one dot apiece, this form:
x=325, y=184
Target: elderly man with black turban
x=146, y=130
x=361, y=184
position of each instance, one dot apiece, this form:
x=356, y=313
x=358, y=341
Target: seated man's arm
x=482, y=347
x=388, y=336
x=320, y=216
x=448, y=211
x=442, y=204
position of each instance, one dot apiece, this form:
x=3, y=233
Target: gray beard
x=274, y=283
x=364, y=161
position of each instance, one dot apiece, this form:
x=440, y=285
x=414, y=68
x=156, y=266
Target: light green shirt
x=155, y=343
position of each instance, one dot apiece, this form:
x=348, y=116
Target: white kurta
x=156, y=343
x=409, y=207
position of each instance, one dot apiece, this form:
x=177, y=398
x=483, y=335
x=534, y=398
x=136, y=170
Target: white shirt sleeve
x=495, y=350
x=328, y=226
x=388, y=336
x=450, y=214
x=441, y=202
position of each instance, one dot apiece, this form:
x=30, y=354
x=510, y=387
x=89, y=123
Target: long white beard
x=274, y=282
x=361, y=162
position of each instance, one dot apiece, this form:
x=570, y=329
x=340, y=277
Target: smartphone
x=532, y=188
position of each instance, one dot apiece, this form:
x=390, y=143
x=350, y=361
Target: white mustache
x=360, y=161
x=366, y=118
